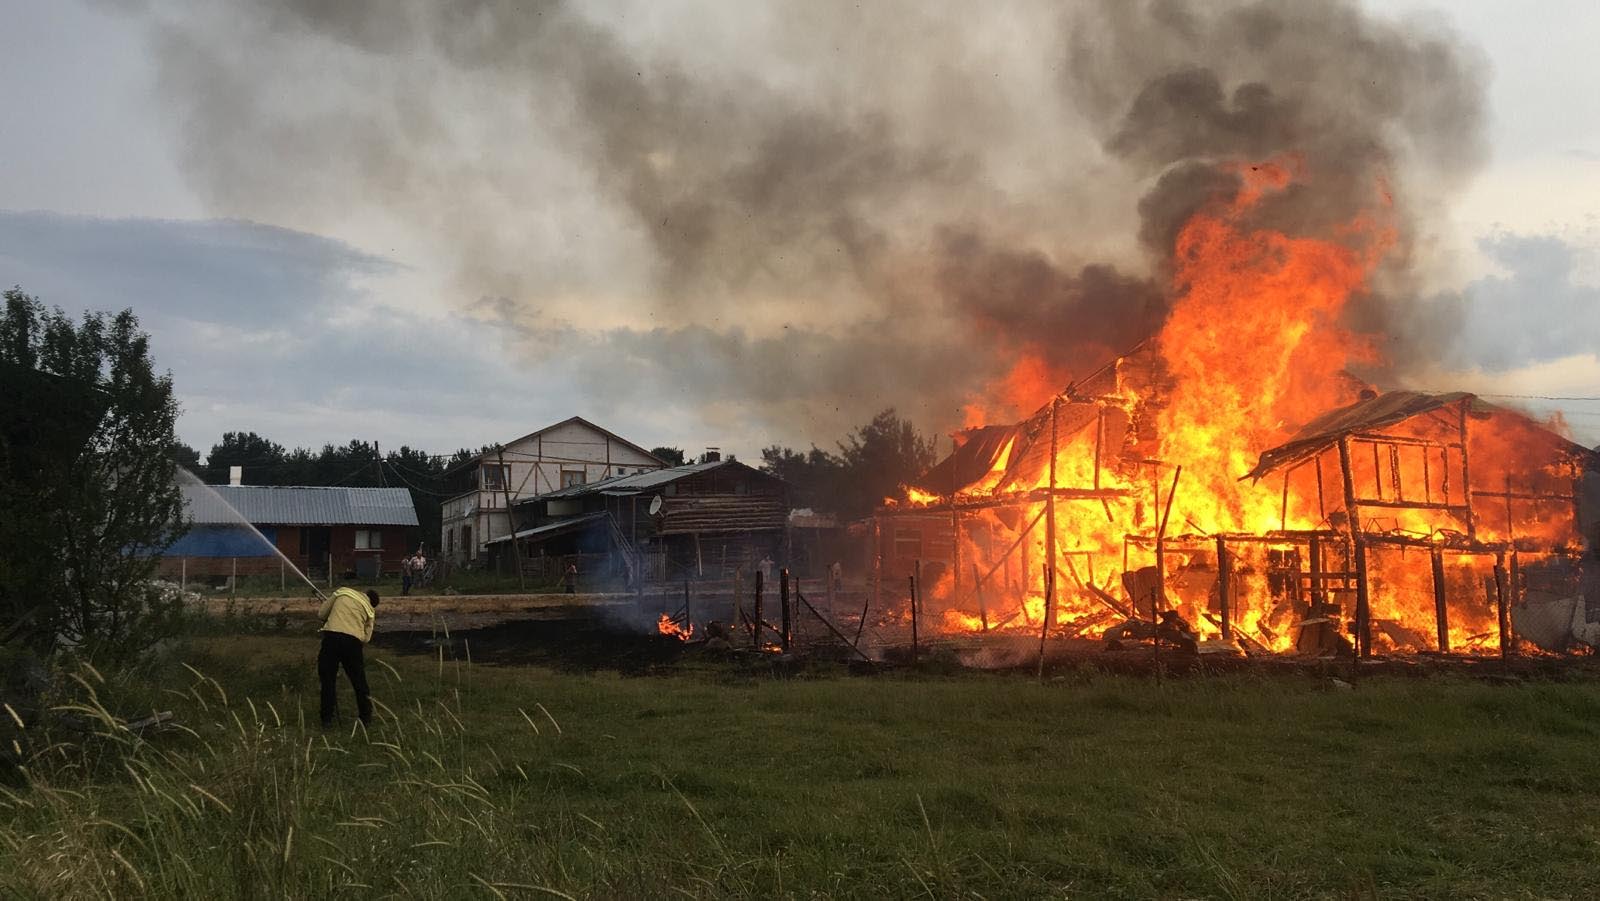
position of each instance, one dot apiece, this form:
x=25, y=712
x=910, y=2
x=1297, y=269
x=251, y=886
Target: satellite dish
x=656, y=505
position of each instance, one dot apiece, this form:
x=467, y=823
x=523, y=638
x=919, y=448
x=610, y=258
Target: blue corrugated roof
x=294, y=506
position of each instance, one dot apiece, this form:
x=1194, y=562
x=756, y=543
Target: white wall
x=536, y=465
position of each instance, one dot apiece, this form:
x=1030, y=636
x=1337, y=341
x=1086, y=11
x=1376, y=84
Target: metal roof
x=639, y=481
x=293, y=506
x=550, y=530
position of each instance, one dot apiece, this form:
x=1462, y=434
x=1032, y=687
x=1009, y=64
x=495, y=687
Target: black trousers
x=339, y=649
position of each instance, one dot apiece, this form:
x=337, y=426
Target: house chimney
x=712, y=455
x=236, y=475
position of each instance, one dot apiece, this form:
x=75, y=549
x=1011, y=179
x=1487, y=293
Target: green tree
x=872, y=463
x=87, y=493
x=261, y=460
x=672, y=456
x=187, y=457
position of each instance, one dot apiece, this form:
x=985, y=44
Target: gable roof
x=974, y=459
x=298, y=506
x=1373, y=413
x=579, y=420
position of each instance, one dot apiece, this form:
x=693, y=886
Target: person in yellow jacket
x=347, y=618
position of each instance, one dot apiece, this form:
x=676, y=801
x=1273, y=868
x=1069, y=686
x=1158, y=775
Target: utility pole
x=511, y=519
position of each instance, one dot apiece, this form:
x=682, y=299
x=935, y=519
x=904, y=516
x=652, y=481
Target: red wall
x=398, y=543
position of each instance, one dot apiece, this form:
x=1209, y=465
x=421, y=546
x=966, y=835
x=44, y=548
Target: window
x=369, y=540
x=449, y=542
x=496, y=476
x=467, y=547
x=622, y=470
x=571, y=478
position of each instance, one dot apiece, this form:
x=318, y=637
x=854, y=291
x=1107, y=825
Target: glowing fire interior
x=1255, y=348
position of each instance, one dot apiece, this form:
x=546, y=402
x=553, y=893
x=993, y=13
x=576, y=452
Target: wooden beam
x=1501, y=606
x=1050, y=525
x=1224, y=586
x=1466, y=472
x=831, y=627
x=1441, y=613
x=1006, y=556
x=1353, y=517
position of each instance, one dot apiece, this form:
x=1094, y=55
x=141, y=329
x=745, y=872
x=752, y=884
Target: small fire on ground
x=668, y=626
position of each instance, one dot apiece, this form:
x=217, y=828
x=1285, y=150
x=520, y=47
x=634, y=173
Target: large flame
x=1256, y=344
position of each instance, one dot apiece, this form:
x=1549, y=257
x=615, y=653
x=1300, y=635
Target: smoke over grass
x=803, y=212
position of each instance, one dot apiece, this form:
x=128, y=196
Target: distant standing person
x=412, y=570
x=347, y=619
x=571, y=578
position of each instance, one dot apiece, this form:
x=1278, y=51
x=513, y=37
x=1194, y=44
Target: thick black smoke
x=802, y=212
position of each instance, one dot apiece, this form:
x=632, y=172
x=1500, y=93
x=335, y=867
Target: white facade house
x=569, y=453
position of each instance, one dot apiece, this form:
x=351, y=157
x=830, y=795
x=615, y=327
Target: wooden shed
x=703, y=520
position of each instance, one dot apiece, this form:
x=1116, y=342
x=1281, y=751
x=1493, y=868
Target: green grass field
x=717, y=781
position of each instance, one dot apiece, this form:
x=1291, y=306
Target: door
x=318, y=541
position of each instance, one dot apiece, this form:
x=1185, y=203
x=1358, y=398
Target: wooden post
x=1161, y=549
x=1322, y=506
x=1224, y=586
x=233, y=577
x=755, y=628
x=283, y=575
x=330, y=569
x=511, y=519
x=1503, y=613
x=1283, y=513
x=955, y=553
x=861, y=624
x=738, y=592
x=916, y=606
x=1363, y=638
x=183, y=573
x=1049, y=597
x=783, y=603
x=1318, y=597
x=688, y=612
x=983, y=609
x=1466, y=474
x=1363, y=602
x=1441, y=614
x=1099, y=441
x=1050, y=523
x=1514, y=572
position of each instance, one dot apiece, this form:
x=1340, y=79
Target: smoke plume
x=805, y=211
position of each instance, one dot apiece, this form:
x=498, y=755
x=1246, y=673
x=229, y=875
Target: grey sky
x=335, y=320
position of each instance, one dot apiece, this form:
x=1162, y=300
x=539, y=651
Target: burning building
x=1231, y=479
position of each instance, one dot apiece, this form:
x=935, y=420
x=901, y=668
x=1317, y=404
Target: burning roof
x=1374, y=413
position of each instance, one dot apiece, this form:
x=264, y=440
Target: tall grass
x=494, y=782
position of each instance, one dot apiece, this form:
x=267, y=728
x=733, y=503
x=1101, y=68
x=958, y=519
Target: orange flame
x=1256, y=344
x=667, y=626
